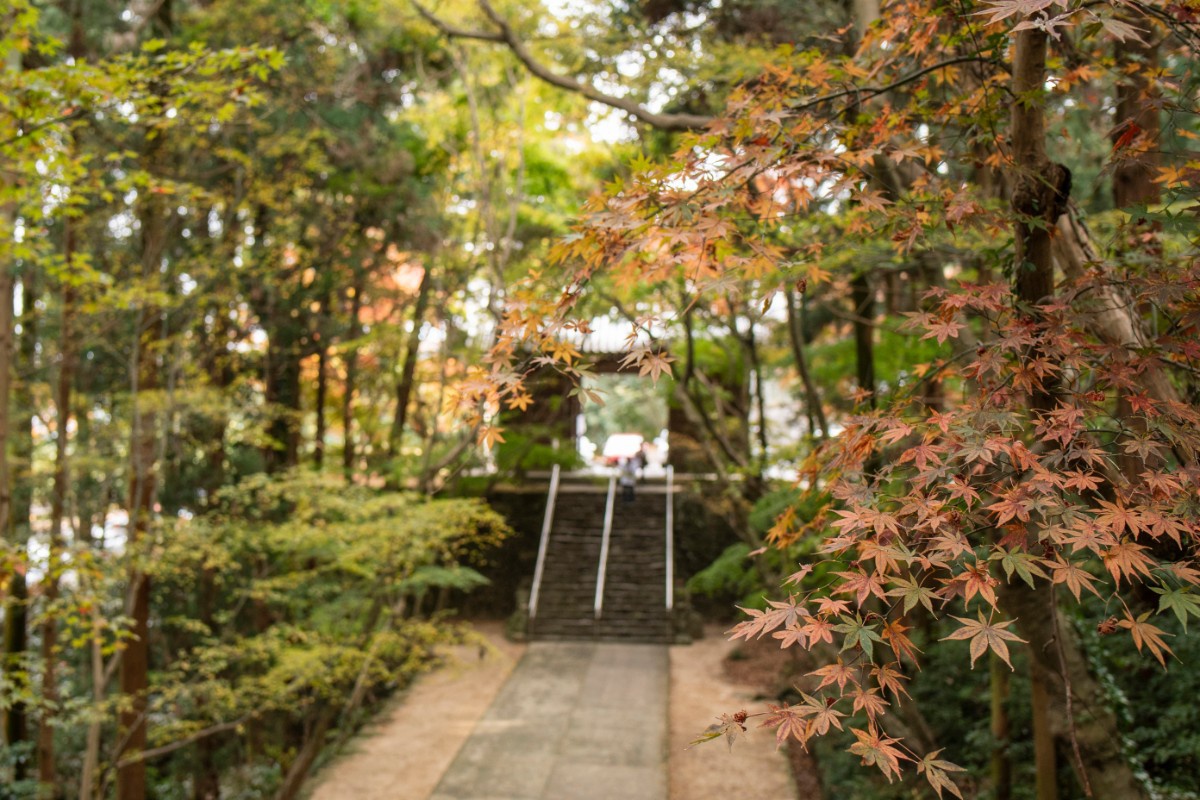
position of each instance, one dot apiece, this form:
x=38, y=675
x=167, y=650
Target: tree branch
x=504, y=35
x=179, y=744
x=452, y=32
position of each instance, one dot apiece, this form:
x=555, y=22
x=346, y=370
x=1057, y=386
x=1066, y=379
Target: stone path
x=579, y=720
x=569, y=721
x=404, y=752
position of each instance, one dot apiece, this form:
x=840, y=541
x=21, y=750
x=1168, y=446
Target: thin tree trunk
x=348, y=450
x=58, y=499
x=812, y=399
x=1134, y=177
x=15, y=621
x=22, y=435
x=404, y=386
x=1044, y=757
x=143, y=450
x=1001, y=766
x=1059, y=667
x=864, y=333
x=283, y=393
x=1134, y=184
x=322, y=394
x=91, y=751
x=760, y=402
x=206, y=777
x=15, y=725
x=1034, y=283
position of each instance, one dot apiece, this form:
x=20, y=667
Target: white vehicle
x=621, y=445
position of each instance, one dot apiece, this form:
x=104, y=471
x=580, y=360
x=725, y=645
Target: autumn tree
x=1058, y=461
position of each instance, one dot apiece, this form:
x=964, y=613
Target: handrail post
x=547, y=522
x=598, y=604
x=670, y=537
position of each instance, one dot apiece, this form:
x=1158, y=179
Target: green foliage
x=631, y=404
x=311, y=586
x=739, y=578
x=732, y=575
x=526, y=448
x=1162, y=729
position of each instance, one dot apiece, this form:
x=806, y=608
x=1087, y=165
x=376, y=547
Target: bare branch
x=179, y=744
x=451, y=32
x=504, y=34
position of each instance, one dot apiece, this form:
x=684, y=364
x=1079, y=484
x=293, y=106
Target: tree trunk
x=750, y=344
x=22, y=466
x=348, y=450
x=1041, y=187
x=91, y=748
x=812, y=399
x=1058, y=665
x=1137, y=118
x=1044, y=757
x=412, y=348
x=15, y=641
x=283, y=393
x=322, y=394
x=864, y=333
x=58, y=499
x=143, y=451
x=1001, y=767
x=206, y=776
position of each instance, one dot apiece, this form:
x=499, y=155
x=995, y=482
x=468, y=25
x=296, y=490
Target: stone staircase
x=634, y=605
x=569, y=575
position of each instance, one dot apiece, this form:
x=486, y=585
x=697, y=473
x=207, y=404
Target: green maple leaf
x=1179, y=601
x=913, y=593
x=858, y=633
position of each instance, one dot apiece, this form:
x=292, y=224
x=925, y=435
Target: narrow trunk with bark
x=1069, y=704
x=348, y=449
x=404, y=387
x=15, y=632
x=321, y=400
x=283, y=394
x=143, y=452
x=812, y=398
x=863, y=301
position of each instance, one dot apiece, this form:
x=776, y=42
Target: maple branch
x=903, y=80
x=504, y=35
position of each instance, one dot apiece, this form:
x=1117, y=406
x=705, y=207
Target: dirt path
x=402, y=754
x=701, y=692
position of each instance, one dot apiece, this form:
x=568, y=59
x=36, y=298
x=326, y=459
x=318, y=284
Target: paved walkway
x=405, y=750
x=579, y=720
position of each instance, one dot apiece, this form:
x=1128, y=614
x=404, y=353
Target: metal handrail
x=547, y=522
x=598, y=605
x=670, y=537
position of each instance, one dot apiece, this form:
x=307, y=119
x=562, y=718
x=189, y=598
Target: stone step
x=634, y=592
